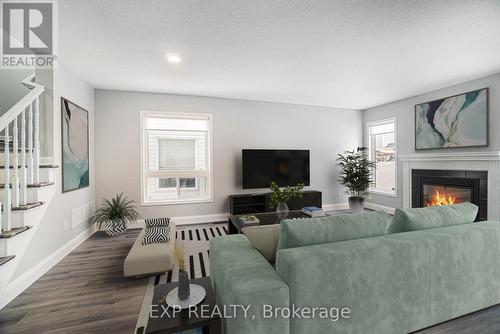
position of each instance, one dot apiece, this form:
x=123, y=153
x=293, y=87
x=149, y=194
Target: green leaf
x=119, y=208
x=284, y=195
x=355, y=171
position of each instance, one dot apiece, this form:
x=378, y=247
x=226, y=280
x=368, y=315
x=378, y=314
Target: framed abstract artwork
x=75, y=146
x=455, y=121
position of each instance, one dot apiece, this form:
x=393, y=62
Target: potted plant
x=183, y=290
x=115, y=215
x=356, y=175
x=280, y=197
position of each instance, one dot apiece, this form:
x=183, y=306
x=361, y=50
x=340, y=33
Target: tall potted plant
x=115, y=214
x=356, y=175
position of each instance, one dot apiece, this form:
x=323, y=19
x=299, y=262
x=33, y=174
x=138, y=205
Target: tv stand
x=258, y=203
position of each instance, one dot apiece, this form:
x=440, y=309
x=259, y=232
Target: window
x=382, y=150
x=176, y=158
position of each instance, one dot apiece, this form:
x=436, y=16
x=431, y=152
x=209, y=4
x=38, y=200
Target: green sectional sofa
x=389, y=282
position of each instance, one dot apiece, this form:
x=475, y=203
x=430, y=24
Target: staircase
x=26, y=186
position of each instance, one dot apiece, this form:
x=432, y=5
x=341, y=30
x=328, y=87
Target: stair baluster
x=23, y=198
x=6, y=218
x=30, y=144
x=15, y=164
x=36, y=158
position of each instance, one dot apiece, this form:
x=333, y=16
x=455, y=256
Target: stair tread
x=34, y=185
x=28, y=206
x=11, y=149
x=40, y=184
x=5, y=259
x=41, y=166
x=13, y=232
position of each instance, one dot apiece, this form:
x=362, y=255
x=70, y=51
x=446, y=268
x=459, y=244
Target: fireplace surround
x=444, y=187
x=483, y=160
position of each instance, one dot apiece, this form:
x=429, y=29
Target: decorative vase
x=115, y=228
x=282, y=210
x=183, y=290
x=356, y=204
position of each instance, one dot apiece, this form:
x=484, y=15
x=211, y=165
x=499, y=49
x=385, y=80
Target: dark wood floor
x=86, y=293
x=486, y=321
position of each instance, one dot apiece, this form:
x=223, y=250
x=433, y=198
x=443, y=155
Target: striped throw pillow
x=157, y=222
x=156, y=235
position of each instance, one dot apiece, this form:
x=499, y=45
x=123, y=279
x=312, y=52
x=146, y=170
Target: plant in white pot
x=115, y=215
x=356, y=175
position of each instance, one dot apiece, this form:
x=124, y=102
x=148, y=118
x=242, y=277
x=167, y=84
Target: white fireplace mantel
x=451, y=156
x=469, y=160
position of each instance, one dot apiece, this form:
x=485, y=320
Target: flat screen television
x=285, y=167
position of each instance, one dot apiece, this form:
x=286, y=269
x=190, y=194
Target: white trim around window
x=370, y=144
x=147, y=172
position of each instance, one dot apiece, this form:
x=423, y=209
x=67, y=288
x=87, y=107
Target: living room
x=188, y=167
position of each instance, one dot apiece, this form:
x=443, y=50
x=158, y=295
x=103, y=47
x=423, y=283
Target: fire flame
x=441, y=199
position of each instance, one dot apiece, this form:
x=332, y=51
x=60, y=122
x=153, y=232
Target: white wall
x=404, y=111
x=51, y=236
x=237, y=124
x=11, y=89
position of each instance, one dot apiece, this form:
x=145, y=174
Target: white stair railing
x=30, y=144
x=15, y=191
x=6, y=216
x=36, y=143
x=15, y=163
x=24, y=178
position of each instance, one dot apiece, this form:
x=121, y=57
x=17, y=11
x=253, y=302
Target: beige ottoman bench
x=152, y=258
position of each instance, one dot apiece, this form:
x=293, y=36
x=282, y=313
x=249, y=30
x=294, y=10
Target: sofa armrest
x=241, y=276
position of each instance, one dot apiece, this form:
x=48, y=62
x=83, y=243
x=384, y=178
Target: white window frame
x=180, y=174
x=392, y=193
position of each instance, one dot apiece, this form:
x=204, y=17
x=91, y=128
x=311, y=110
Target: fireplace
x=446, y=187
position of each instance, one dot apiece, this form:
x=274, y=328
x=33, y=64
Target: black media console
x=256, y=203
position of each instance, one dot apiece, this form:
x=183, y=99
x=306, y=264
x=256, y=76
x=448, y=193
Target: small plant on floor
x=356, y=175
x=281, y=196
x=115, y=215
x=183, y=291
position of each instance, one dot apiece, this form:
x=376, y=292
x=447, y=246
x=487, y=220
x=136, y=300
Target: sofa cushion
x=437, y=216
x=264, y=238
x=314, y=231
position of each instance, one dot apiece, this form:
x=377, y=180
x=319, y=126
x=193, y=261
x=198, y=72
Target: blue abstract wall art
x=75, y=146
x=455, y=121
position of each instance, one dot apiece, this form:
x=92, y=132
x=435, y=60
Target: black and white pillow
x=157, y=222
x=156, y=235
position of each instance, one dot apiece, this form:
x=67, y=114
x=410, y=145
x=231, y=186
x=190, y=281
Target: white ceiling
x=339, y=53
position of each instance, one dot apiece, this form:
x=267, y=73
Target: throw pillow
x=314, y=231
x=157, y=222
x=414, y=219
x=156, y=235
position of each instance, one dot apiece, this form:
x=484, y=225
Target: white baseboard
x=21, y=283
x=336, y=206
x=374, y=206
x=218, y=217
x=189, y=220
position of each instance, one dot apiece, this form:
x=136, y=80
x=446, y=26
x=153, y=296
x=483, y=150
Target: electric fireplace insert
x=447, y=187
